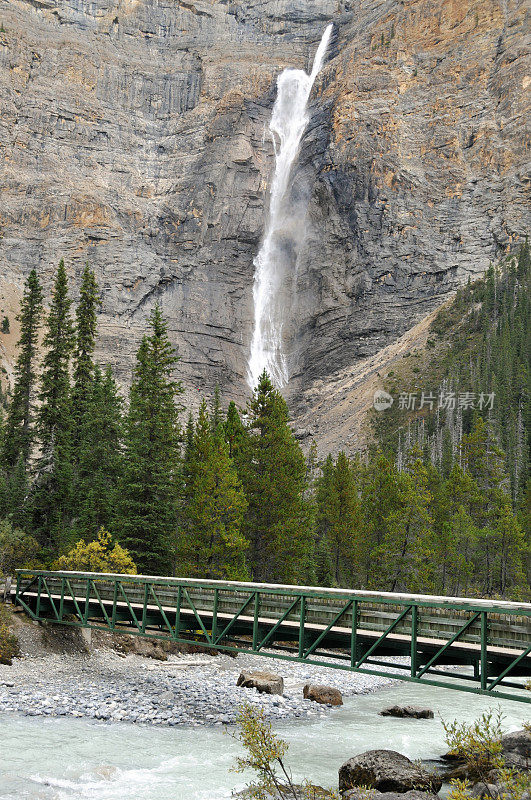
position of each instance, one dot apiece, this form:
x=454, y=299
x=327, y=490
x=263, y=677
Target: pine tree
x=19, y=433
x=380, y=497
x=510, y=546
x=151, y=469
x=210, y=540
x=99, y=460
x=274, y=481
x=53, y=483
x=326, y=501
x=236, y=436
x=405, y=559
x=339, y=521
x=217, y=414
x=85, y=341
x=53, y=413
x=17, y=510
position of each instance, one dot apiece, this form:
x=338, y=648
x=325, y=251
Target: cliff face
x=134, y=135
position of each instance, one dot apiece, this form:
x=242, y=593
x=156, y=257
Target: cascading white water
x=283, y=236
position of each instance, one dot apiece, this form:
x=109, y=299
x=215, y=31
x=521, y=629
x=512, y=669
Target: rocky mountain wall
x=133, y=135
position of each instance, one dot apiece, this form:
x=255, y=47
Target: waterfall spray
x=282, y=240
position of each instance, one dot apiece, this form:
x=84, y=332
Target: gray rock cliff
x=134, y=136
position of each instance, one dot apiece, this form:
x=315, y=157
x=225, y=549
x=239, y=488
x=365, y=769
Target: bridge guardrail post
x=87, y=602
x=144, y=606
x=114, y=601
x=62, y=600
x=215, y=616
x=483, y=657
x=178, y=612
x=255, y=620
x=354, y=635
x=414, y=632
x=302, y=620
x=38, y=607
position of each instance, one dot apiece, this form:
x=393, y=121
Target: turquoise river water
x=74, y=759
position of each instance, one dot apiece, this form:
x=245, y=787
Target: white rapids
x=282, y=236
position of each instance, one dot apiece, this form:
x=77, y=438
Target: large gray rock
x=322, y=694
x=317, y=793
x=374, y=794
x=517, y=749
x=264, y=682
x=386, y=771
x=416, y=712
x=480, y=791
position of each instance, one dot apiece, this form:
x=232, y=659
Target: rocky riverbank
x=188, y=689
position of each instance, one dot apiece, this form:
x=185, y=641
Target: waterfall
x=284, y=232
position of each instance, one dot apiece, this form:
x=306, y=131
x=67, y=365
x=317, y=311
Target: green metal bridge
x=480, y=646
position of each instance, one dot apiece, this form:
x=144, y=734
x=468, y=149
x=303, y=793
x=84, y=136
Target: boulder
x=373, y=794
x=517, y=750
x=302, y=792
x=480, y=791
x=387, y=771
x=323, y=694
x=264, y=682
x=415, y=712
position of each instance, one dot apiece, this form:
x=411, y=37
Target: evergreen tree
x=210, y=540
x=99, y=460
x=53, y=483
x=54, y=410
x=326, y=501
x=509, y=547
x=17, y=486
x=338, y=521
x=18, y=439
x=274, y=480
x=405, y=558
x=236, y=436
x=85, y=341
x=217, y=414
x=380, y=497
x=151, y=470
x=482, y=352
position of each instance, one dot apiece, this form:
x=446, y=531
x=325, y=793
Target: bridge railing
x=492, y=636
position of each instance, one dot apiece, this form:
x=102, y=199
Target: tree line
x=229, y=493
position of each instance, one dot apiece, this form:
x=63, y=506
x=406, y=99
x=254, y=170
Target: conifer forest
x=438, y=503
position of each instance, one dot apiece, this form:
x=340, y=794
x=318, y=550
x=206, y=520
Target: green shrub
x=264, y=755
x=479, y=747
x=5, y=325
x=8, y=641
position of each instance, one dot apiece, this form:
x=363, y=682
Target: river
x=65, y=758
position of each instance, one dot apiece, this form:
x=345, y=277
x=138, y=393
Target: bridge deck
x=356, y=629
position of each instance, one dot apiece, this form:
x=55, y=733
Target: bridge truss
x=479, y=646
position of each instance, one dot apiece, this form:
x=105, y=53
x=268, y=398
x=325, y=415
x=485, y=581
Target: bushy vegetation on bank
x=8, y=641
x=438, y=505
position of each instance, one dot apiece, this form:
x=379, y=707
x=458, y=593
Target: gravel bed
x=185, y=690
